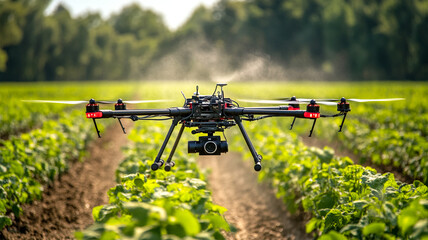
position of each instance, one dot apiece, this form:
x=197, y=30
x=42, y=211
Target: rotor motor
x=313, y=107
x=343, y=106
x=92, y=106
x=294, y=105
x=120, y=105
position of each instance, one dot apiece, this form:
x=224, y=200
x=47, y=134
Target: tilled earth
x=253, y=209
x=67, y=204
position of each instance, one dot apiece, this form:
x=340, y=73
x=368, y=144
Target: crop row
x=405, y=150
x=386, y=133
x=156, y=205
x=35, y=158
x=385, y=137
x=53, y=136
x=17, y=116
x=345, y=200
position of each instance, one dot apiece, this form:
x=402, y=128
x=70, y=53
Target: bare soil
x=67, y=204
x=252, y=207
x=341, y=151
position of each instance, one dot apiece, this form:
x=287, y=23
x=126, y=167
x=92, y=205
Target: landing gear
x=158, y=161
x=257, y=157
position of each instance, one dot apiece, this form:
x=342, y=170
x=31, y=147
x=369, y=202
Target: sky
x=174, y=12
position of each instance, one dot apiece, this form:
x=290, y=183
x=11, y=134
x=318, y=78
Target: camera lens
x=210, y=147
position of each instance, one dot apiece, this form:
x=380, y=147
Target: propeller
x=375, y=100
x=349, y=100
x=287, y=102
x=99, y=102
x=328, y=102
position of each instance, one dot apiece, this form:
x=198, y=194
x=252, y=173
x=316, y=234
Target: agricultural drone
x=209, y=114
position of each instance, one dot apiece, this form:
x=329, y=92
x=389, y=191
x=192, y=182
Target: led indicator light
x=94, y=114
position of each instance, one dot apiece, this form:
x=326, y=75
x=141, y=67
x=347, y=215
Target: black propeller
x=286, y=102
x=329, y=102
x=336, y=100
x=99, y=102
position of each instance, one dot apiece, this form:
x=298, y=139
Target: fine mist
x=197, y=59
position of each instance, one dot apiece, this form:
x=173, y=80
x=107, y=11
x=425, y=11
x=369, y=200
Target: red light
x=292, y=108
x=94, y=114
x=311, y=115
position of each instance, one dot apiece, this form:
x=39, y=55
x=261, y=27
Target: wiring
x=255, y=119
x=154, y=118
x=334, y=115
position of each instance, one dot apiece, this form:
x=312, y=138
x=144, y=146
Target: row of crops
x=346, y=201
x=18, y=116
x=40, y=140
x=385, y=133
x=157, y=205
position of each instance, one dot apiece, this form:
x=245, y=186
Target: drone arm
x=268, y=108
x=274, y=111
x=136, y=112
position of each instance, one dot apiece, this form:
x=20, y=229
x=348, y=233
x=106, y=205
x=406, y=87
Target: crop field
x=39, y=140
x=385, y=133
x=324, y=196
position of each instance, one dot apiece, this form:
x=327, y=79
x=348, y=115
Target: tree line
x=36, y=47
x=380, y=39
x=351, y=39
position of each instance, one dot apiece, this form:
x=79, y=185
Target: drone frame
x=209, y=114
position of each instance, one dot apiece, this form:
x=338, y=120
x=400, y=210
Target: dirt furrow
x=252, y=207
x=67, y=204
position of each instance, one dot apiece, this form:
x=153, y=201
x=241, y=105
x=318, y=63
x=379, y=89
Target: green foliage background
x=342, y=39
x=37, y=47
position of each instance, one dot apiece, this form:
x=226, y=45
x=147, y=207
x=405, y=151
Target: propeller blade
x=318, y=101
x=285, y=102
x=327, y=103
x=338, y=100
x=59, y=101
x=99, y=102
x=105, y=102
x=133, y=101
x=266, y=101
x=67, y=102
x=147, y=101
x=375, y=100
x=309, y=99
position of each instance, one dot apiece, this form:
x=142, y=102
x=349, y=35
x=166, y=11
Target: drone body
x=210, y=114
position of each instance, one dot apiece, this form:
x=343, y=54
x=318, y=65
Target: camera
x=210, y=145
